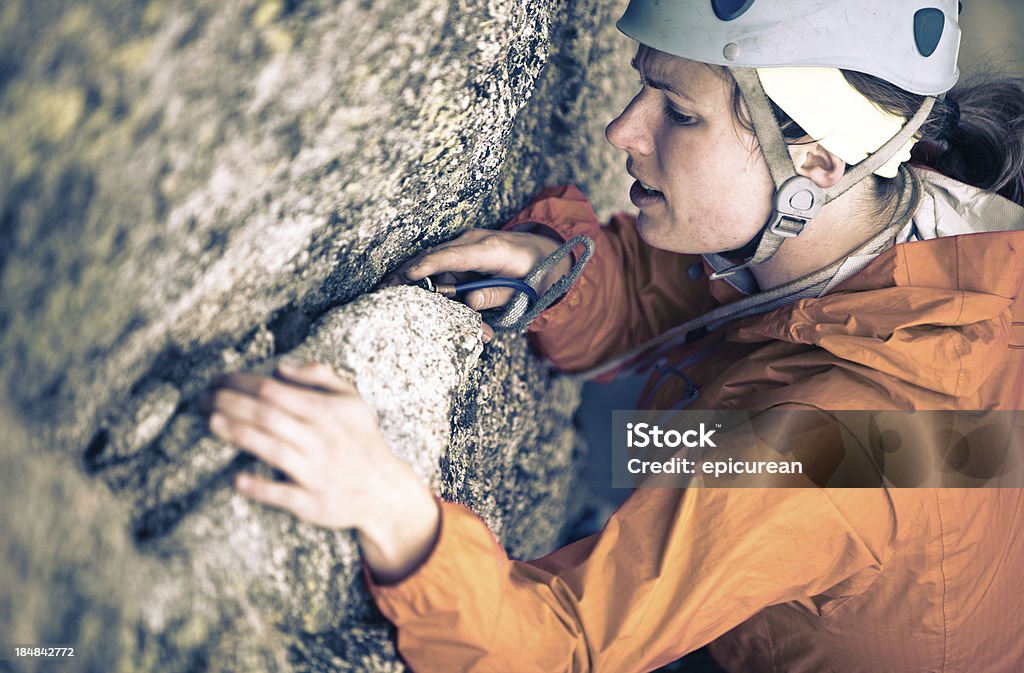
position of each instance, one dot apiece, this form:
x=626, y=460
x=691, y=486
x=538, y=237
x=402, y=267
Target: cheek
x=750, y=191
x=719, y=208
x=744, y=193
x=734, y=222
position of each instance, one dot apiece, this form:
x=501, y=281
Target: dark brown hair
x=975, y=135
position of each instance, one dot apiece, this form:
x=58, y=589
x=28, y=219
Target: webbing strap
x=766, y=127
x=798, y=200
x=518, y=314
x=770, y=299
x=883, y=154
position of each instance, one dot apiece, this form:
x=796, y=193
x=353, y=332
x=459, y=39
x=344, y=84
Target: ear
x=817, y=163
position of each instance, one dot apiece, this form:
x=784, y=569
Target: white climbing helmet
x=913, y=44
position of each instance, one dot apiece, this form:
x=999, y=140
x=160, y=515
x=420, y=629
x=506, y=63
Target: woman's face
x=713, y=188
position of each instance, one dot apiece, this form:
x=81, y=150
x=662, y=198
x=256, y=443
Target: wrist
x=400, y=532
x=549, y=241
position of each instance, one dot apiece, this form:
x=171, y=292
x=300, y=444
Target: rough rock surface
x=211, y=572
x=193, y=187
x=176, y=174
x=72, y=576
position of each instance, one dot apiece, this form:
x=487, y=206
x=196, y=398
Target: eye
x=678, y=117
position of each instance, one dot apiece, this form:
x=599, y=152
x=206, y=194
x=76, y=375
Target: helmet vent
x=727, y=10
x=928, y=26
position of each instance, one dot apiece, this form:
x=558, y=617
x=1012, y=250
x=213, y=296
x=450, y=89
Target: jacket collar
x=930, y=310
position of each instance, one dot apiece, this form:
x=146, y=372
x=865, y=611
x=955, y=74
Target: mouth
x=645, y=196
x=648, y=189
x=642, y=194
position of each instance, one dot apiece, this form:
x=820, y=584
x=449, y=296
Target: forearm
x=401, y=530
x=468, y=610
x=663, y=578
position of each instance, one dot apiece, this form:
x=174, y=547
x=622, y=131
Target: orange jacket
x=788, y=580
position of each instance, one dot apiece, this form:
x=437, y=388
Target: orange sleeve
x=672, y=570
x=628, y=293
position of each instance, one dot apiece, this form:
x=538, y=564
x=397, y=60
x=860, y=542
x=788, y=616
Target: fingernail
x=475, y=302
x=242, y=482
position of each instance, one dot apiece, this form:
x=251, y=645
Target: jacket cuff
x=440, y=579
x=566, y=212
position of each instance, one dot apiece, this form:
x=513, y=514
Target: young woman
x=772, y=137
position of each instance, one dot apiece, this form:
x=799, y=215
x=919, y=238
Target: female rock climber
x=771, y=145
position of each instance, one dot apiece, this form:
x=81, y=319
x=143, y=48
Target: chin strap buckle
x=797, y=201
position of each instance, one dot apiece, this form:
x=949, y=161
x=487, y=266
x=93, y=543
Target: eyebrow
x=658, y=84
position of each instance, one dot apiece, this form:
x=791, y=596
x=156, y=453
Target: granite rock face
x=188, y=188
x=72, y=576
x=175, y=174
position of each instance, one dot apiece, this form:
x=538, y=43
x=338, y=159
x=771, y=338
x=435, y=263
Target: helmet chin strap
x=798, y=199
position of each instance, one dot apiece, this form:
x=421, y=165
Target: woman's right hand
x=510, y=254
x=314, y=426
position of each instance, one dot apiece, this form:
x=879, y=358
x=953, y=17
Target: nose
x=630, y=131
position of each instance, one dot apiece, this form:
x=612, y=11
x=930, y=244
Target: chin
x=650, y=231
x=658, y=235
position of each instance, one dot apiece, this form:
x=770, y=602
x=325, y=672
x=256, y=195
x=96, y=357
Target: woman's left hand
x=314, y=426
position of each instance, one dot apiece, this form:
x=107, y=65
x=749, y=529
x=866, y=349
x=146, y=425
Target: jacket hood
x=933, y=311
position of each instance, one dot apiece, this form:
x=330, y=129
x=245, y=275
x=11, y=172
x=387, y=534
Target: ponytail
x=984, y=143
x=974, y=135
